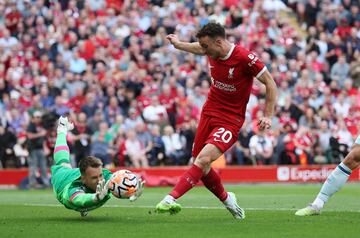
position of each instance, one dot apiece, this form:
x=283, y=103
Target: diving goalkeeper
x=81, y=189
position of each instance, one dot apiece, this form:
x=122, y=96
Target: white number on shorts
x=223, y=134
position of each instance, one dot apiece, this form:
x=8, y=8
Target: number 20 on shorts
x=222, y=135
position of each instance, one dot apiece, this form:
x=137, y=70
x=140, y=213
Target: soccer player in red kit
x=232, y=71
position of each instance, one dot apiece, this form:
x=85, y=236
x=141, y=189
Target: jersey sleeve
x=83, y=199
x=252, y=63
x=80, y=199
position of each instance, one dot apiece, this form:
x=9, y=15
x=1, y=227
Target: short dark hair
x=212, y=29
x=89, y=161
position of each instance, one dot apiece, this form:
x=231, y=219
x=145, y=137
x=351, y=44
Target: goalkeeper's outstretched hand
x=139, y=190
x=101, y=190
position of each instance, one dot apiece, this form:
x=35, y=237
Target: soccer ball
x=123, y=184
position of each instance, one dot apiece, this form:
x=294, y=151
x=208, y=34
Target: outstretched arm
x=271, y=91
x=85, y=200
x=81, y=199
x=193, y=47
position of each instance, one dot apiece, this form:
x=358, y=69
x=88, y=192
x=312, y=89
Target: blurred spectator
x=174, y=146
x=7, y=142
x=46, y=100
x=118, y=127
x=167, y=99
x=340, y=70
x=95, y=121
x=156, y=154
x=344, y=136
x=155, y=112
x=72, y=83
x=308, y=119
x=323, y=149
x=188, y=130
x=20, y=150
x=143, y=135
x=112, y=110
x=89, y=107
x=81, y=138
x=104, y=131
x=59, y=107
x=261, y=147
x=77, y=101
x=101, y=149
x=133, y=119
x=341, y=105
x=242, y=147
x=135, y=150
x=304, y=141
x=36, y=137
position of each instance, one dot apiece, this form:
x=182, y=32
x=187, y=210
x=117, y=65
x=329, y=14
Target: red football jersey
x=232, y=79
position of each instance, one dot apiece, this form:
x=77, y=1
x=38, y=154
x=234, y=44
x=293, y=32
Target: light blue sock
x=333, y=183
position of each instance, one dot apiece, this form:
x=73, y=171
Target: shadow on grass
x=60, y=219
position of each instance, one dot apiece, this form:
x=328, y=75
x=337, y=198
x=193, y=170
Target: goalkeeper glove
x=101, y=190
x=139, y=190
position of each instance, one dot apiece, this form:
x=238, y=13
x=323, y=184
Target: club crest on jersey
x=231, y=73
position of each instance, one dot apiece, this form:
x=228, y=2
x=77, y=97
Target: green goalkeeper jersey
x=71, y=192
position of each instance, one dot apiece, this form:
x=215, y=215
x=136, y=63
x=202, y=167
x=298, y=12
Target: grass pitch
x=269, y=213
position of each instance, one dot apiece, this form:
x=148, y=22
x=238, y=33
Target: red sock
x=188, y=180
x=212, y=182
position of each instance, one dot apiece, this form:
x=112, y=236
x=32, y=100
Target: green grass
x=269, y=210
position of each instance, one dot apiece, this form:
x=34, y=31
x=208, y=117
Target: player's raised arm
x=193, y=47
x=271, y=92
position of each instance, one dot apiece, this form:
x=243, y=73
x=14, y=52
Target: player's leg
x=192, y=176
x=189, y=179
x=334, y=182
x=222, y=138
x=61, y=149
x=219, y=137
x=212, y=182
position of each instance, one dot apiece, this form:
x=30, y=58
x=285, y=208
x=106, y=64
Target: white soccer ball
x=123, y=184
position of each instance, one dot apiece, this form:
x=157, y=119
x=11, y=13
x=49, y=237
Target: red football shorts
x=215, y=131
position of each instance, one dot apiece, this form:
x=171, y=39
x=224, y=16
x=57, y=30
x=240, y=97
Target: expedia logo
x=302, y=174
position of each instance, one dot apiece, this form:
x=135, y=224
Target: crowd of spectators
x=135, y=100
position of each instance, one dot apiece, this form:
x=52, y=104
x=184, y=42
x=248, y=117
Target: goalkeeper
x=81, y=189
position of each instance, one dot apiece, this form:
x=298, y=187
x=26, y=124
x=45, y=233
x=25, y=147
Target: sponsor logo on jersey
x=224, y=86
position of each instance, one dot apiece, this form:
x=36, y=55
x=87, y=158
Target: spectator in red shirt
x=77, y=101
x=12, y=17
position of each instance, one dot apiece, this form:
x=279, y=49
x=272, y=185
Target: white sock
x=228, y=200
x=318, y=203
x=169, y=199
x=333, y=183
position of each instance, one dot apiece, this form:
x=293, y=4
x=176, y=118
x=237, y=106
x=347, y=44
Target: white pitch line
x=188, y=207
